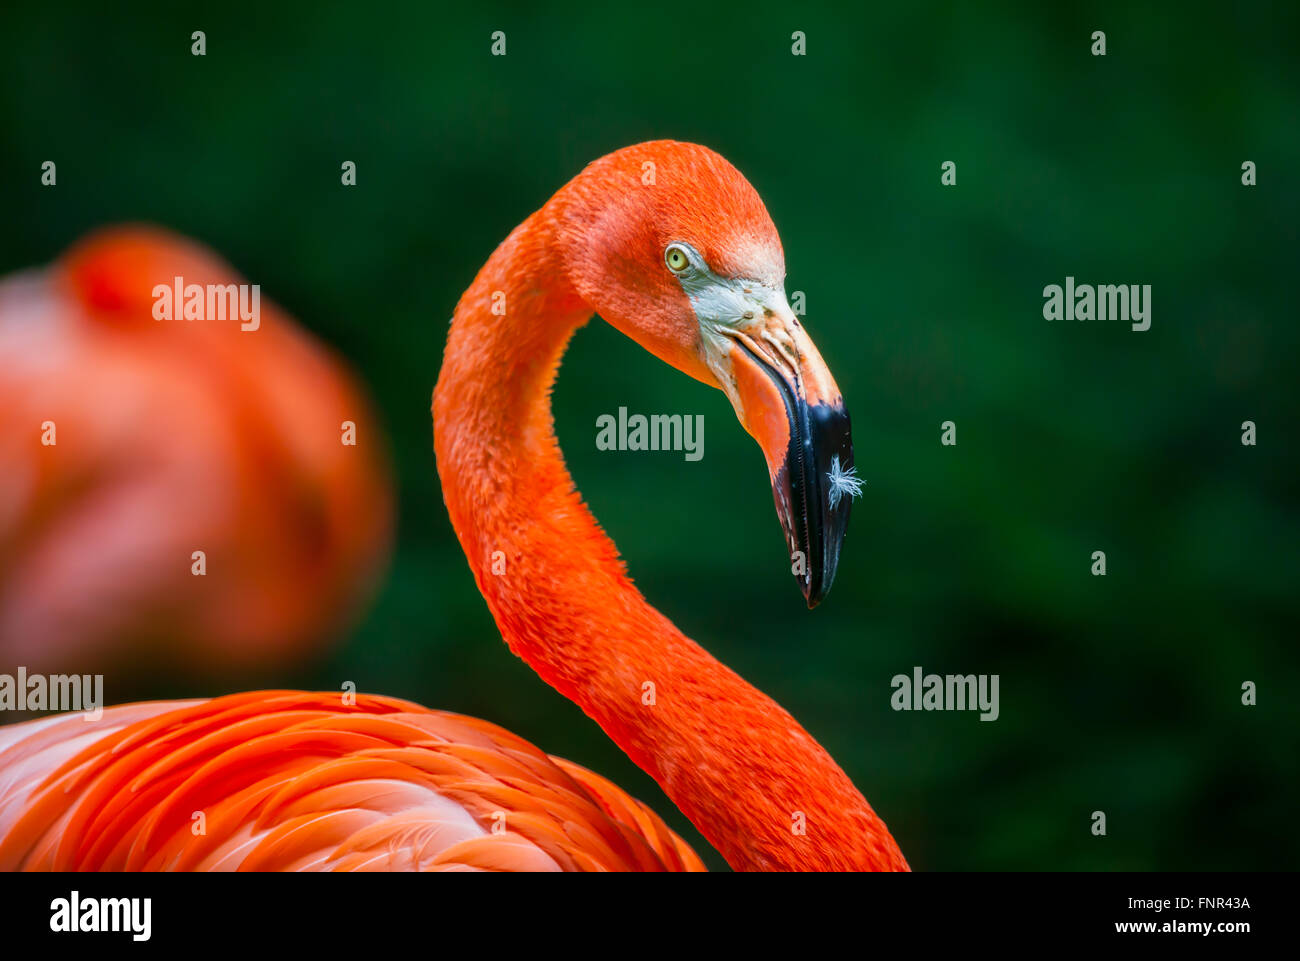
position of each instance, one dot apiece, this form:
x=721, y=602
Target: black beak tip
x=813, y=496
x=815, y=486
x=818, y=583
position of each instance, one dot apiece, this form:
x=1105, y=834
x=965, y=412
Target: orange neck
x=753, y=782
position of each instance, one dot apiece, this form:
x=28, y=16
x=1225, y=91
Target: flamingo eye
x=676, y=259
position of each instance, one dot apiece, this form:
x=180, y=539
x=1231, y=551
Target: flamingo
x=174, y=492
x=685, y=261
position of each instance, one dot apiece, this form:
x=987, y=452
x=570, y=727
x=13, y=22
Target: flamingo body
x=688, y=264
x=171, y=437
x=294, y=781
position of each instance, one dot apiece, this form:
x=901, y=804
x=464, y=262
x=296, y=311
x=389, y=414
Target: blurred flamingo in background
x=170, y=437
x=688, y=264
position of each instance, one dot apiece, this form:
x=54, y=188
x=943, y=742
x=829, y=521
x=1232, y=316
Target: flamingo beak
x=788, y=401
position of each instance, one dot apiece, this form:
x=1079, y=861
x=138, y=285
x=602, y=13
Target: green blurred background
x=1120, y=693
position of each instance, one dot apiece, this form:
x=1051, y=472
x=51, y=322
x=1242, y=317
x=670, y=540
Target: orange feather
x=282, y=780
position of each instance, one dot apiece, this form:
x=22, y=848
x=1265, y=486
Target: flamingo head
x=670, y=244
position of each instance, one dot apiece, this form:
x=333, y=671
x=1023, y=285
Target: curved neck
x=753, y=782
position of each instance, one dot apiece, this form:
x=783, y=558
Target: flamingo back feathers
x=285, y=780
